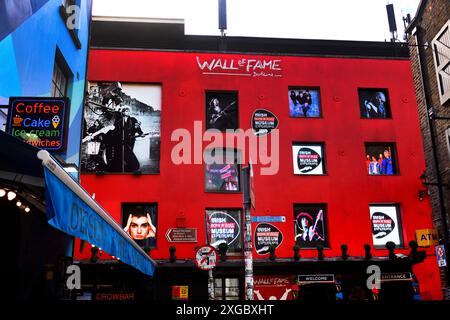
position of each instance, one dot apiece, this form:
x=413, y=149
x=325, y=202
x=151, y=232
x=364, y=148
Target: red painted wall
x=347, y=189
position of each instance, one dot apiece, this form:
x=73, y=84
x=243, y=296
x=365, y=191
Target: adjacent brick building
x=429, y=40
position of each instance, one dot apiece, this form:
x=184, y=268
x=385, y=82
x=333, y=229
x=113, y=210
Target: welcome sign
x=41, y=122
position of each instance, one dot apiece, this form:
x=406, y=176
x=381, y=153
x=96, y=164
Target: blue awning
x=69, y=207
x=72, y=210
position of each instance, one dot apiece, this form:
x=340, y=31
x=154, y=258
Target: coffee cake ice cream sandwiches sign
x=41, y=122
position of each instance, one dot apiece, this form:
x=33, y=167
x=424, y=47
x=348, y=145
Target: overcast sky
x=303, y=19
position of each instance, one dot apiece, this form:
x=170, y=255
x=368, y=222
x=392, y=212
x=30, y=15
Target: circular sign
x=267, y=234
x=206, y=257
x=263, y=122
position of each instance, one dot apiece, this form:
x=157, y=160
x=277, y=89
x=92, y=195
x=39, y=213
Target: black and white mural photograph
x=122, y=128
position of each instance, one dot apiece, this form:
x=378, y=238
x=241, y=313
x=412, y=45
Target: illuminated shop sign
x=41, y=122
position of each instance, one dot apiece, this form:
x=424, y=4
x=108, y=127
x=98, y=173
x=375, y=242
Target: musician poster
x=385, y=225
x=122, y=128
x=310, y=225
x=139, y=220
x=308, y=158
x=222, y=110
x=224, y=226
x=223, y=175
x=304, y=102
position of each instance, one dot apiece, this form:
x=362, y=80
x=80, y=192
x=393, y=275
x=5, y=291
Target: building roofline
x=137, y=35
x=138, y=19
x=416, y=18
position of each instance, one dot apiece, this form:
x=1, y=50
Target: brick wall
x=434, y=15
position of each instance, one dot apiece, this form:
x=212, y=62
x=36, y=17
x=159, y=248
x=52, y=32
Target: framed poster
x=122, y=128
x=221, y=110
x=222, y=171
x=381, y=159
x=308, y=158
x=386, y=225
x=304, y=102
x=310, y=225
x=140, y=221
x=224, y=226
x=374, y=104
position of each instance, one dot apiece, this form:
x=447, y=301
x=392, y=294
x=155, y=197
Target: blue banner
x=68, y=213
x=268, y=219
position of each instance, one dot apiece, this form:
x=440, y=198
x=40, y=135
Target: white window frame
x=441, y=56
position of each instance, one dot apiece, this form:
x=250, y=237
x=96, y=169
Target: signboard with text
x=41, y=122
x=181, y=235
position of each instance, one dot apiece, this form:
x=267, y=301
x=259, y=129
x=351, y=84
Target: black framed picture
x=386, y=225
x=308, y=158
x=374, y=103
x=222, y=170
x=381, y=159
x=225, y=226
x=222, y=110
x=140, y=221
x=122, y=128
x=304, y=102
x=310, y=225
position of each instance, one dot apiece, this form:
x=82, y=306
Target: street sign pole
x=248, y=256
x=211, y=295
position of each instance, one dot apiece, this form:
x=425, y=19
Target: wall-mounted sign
x=315, y=278
x=440, y=255
x=206, y=257
x=427, y=237
x=266, y=235
x=224, y=226
x=181, y=235
x=180, y=292
x=41, y=122
x=268, y=219
x=396, y=276
x=308, y=158
x=245, y=67
x=385, y=225
x=273, y=287
x=114, y=296
x=263, y=122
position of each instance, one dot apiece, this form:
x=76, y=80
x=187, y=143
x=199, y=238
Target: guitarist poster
x=222, y=110
x=122, y=128
x=309, y=224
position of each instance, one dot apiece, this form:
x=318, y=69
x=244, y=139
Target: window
x=140, y=221
x=59, y=80
x=386, y=225
x=224, y=226
x=226, y=288
x=374, y=104
x=310, y=225
x=308, y=158
x=222, y=170
x=441, y=50
x=381, y=159
x=304, y=102
x=221, y=110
